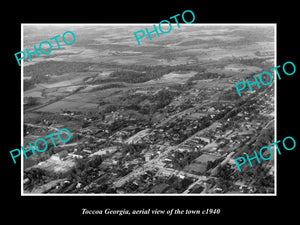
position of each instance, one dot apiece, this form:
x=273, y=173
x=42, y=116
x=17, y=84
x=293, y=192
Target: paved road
x=149, y=165
x=192, y=185
x=155, y=163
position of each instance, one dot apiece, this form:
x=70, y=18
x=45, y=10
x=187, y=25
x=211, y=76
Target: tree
x=95, y=161
x=110, y=108
x=31, y=101
x=225, y=172
x=28, y=84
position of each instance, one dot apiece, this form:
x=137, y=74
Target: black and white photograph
x=140, y=112
x=148, y=112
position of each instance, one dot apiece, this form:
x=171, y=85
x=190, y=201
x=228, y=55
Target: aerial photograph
x=160, y=118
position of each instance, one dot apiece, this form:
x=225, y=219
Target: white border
x=143, y=24
x=275, y=105
x=22, y=113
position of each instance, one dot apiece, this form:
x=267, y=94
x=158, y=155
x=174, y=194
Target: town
x=158, y=119
x=186, y=147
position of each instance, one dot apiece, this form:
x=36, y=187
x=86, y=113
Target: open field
x=93, y=58
x=172, y=78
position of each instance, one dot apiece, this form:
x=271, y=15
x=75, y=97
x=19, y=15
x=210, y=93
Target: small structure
x=75, y=156
x=87, y=151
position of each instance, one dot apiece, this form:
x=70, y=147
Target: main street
x=155, y=163
x=147, y=166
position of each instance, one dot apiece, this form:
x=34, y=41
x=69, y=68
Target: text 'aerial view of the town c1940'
x=160, y=118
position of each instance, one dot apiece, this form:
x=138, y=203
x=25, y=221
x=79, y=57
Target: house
x=240, y=114
x=181, y=176
x=211, y=109
x=148, y=156
x=183, y=149
x=87, y=151
x=75, y=156
x=205, y=139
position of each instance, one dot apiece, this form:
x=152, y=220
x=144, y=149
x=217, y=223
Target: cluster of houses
x=214, y=144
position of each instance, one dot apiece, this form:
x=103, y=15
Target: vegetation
x=54, y=68
x=40, y=72
x=259, y=62
x=266, y=136
x=179, y=185
x=28, y=84
x=205, y=76
x=182, y=159
x=141, y=73
x=258, y=177
x=108, y=86
x=213, y=164
x=31, y=101
x=134, y=150
x=36, y=177
x=162, y=99
x=95, y=161
x=85, y=170
x=110, y=108
x=229, y=95
x=137, y=106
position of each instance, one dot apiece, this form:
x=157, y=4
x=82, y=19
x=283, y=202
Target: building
x=75, y=156
x=207, y=140
x=87, y=151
